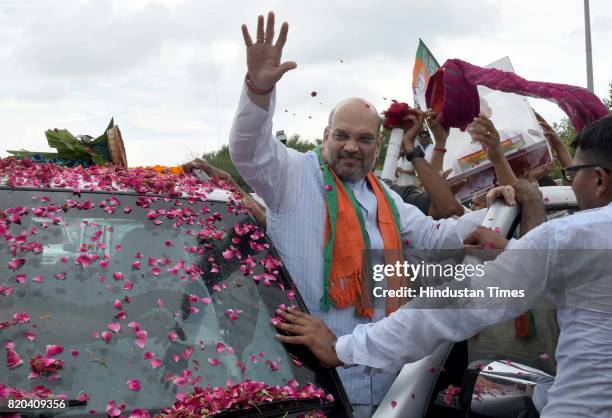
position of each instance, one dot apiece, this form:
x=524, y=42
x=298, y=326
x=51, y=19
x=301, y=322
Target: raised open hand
x=263, y=57
x=483, y=131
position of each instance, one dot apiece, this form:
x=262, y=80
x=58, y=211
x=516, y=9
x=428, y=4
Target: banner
x=424, y=66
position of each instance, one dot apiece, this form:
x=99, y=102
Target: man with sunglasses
x=566, y=260
x=325, y=207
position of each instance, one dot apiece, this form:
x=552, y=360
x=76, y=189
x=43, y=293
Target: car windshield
x=128, y=302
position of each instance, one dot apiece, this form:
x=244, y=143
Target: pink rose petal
x=106, y=336
x=114, y=326
x=133, y=384
x=54, y=350
x=12, y=359
x=141, y=338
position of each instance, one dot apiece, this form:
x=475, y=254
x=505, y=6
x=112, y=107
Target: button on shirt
x=567, y=261
x=291, y=185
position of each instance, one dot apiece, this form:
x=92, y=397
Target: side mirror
x=503, y=389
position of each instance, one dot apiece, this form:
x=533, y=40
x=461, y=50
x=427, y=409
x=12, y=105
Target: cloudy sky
x=170, y=71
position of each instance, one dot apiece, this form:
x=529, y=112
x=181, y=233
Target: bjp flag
x=424, y=66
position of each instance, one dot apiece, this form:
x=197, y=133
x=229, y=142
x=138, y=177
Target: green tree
x=221, y=158
x=302, y=145
x=567, y=133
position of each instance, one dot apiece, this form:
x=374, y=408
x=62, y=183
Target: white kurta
x=404, y=179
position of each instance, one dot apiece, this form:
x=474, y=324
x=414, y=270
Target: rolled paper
x=393, y=150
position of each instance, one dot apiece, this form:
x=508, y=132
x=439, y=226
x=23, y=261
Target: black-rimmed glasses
x=570, y=172
x=363, y=139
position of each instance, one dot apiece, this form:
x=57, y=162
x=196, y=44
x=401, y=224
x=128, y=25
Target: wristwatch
x=416, y=153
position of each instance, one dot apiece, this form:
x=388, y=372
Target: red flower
x=394, y=116
x=133, y=384
x=41, y=364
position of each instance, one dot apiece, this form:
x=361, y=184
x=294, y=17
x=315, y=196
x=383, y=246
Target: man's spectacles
x=569, y=173
x=364, y=139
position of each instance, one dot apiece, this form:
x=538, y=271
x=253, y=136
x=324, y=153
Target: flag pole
x=587, y=39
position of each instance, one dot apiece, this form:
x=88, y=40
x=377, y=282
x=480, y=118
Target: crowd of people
x=324, y=207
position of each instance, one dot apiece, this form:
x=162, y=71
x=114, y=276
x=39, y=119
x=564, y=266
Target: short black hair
x=595, y=141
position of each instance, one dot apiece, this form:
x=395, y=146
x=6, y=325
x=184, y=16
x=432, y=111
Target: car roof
x=16, y=174
x=555, y=196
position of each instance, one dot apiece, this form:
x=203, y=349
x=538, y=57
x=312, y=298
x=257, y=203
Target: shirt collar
x=357, y=184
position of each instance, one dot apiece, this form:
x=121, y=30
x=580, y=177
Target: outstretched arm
x=273, y=171
x=483, y=131
x=416, y=330
x=557, y=146
x=440, y=135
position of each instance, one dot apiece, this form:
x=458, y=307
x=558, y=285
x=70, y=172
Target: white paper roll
x=393, y=150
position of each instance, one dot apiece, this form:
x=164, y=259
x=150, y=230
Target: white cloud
x=170, y=71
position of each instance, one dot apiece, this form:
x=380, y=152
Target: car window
x=143, y=299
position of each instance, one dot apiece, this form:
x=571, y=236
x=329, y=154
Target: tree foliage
x=221, y=158
x=567, y=133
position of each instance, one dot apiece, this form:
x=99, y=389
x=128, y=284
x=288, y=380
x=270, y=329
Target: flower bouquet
x=395, y=122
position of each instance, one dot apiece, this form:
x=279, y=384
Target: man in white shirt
x=566, y=260
x=296, y=196
x=405, y=171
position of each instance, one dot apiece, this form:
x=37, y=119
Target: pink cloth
x=452, y=91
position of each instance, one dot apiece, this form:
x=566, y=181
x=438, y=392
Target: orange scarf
x=345, y=260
